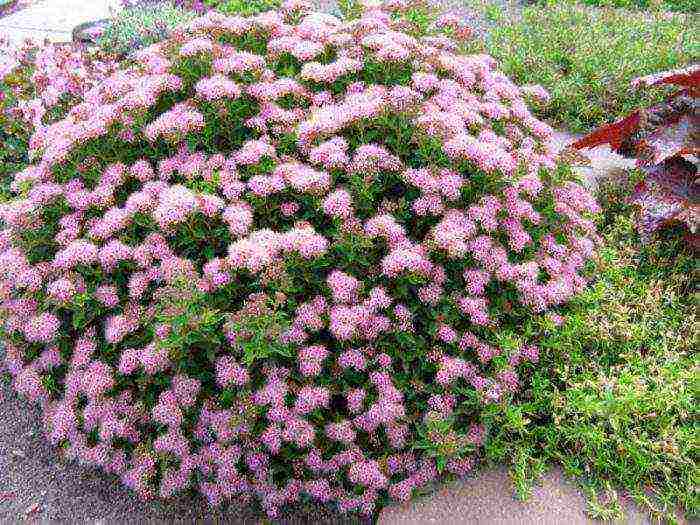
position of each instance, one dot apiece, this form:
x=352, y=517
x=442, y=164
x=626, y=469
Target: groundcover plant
x=286, y=257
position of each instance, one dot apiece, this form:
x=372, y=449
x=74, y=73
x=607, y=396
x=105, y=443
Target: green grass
x=614, y=400
x=687, y=6
x=243, y=7
x=586, y=56
x=138, y=27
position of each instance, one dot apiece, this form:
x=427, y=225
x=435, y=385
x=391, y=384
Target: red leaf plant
x=665, y=140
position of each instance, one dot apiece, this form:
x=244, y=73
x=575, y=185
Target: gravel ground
x=37, y=485
x=52, y=20
x=488, y=498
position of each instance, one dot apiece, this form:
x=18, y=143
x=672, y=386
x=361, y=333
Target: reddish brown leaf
x=687, y=77
x=680, y=138
x=677, y=177
x=660, y=137
x=612, y=134
x=669, y=194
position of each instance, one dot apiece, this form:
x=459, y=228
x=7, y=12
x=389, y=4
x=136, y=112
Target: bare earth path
x=36, y=485
x=488, y=499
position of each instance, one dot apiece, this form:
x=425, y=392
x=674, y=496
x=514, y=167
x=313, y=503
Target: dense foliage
x=243, y=7
x=586, y=57
x=665, y=140
x=285, y=256
x=688, y=6
x=613, y=399
x=38, y=85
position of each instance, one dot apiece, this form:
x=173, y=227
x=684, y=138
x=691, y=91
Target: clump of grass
x=615, y=401
x=243, y=7
x=586, y=57
x=688, y=6
x=142, y=25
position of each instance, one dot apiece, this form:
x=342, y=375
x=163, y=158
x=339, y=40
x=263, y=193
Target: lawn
x=586, y=57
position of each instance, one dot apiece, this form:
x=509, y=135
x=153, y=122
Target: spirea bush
x=286, y=257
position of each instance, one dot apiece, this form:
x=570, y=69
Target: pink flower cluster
x=382, y=225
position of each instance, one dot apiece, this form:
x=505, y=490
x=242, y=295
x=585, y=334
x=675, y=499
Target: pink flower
x=97, y=380
x=217, y=87
x=367, y=474
x=167, y=410
x=330, y=154
x=118, y=327
x=42, y=328
x=77, y=252
x=239, y=217
x=343, y=287
x=174, y=205
x=310, y=398
x=229, y=372
x=352, y=358
x=62, y=290
x=311, y=359
x=178, y=121
x=338, y=204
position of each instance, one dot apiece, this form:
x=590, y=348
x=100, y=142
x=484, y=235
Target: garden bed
x=297, y=226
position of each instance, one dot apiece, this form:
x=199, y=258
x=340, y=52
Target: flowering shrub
x=285, y=256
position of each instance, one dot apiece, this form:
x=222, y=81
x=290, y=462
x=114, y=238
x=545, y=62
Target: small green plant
x=493, y=12
x=255, y=330
x=439, y=440
x=192, y=324
x=687, y=6
x=615, y=398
